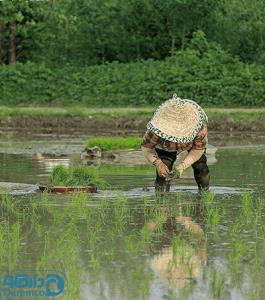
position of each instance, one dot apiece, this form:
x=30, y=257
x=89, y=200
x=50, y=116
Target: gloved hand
x=162, y=168
x=179, y=170
x=175, y=173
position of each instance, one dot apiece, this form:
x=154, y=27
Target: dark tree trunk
x=1, y=42
x=12, y=43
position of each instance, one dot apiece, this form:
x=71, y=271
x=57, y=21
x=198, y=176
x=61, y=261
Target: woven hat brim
x=178, y=120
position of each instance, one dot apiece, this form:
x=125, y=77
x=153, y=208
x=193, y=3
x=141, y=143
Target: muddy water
x=237, y=166
x=175, y=246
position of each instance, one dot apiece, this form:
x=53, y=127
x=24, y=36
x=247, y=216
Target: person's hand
x=162, y=169
x=179, y=170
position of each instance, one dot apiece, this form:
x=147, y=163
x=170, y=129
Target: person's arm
x=150, y=140
x=148, y=144
x=199, y=145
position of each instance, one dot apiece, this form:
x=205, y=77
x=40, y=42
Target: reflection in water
x=150, y=248
x=182, y=261
x=49, y=163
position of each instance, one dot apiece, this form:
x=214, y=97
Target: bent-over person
x=177, y=125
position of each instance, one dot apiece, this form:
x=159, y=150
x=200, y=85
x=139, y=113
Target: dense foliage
x=92, y=32
x=203, y=72
x=112, y=52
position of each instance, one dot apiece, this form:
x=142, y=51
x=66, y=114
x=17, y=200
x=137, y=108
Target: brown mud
x=121, y=124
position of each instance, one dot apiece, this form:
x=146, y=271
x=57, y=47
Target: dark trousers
x=200, y=171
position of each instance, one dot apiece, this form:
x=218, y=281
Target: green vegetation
x=236, y=114
x=75, y=111
x=217, y=284
x=79, y=176
x=94, y=236
x=213, y=78
x=210, y=51
x=110, y=30
x=115, y=143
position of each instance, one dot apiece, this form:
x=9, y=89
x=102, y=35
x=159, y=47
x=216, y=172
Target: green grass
x=115, y=143
x=115, y=112
x=79, y=176
x=74, y=111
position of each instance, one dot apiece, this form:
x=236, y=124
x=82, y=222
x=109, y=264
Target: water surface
x=146, y=246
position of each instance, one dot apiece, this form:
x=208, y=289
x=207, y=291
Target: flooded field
x=127, y=242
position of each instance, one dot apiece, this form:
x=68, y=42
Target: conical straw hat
x=178, y=120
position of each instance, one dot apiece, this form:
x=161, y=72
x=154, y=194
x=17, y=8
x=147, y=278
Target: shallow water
x=237, y=167
x=129, y=243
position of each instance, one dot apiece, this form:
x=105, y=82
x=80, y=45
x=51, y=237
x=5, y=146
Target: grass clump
x=79, y=176
x=115, y=143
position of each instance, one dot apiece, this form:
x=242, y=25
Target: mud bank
x=117, y=124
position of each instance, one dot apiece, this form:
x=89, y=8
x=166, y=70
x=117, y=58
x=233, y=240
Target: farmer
x=177, y=125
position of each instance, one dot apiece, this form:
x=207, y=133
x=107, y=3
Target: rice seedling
x=14, y=243
x=9, y=204
x=47, y=244
x=44, y=198
x=60, y=253
x=103, y=209
x=3, y=243
x=234, y=228
x=260, y=206
x=159, y=220
x=145, y=284
x=239, y=250
x=110, y=255
x=214, y=215
x=59, y=215
x=81, y=175
x=34, y=216
x=79, y=203
x=217, y=284
x=188, y=209
x=247, y=208
x=94, y=262
x=145, y=203
x=115, y=143
x=190, y=269
x=207, y=198
x=131, y=244
x=73, y=278
x=93, y=237
x=195, y=234
x=176, y=241
x=258, y=249
x=181, y=252
x=120, y=211
x=145, y=235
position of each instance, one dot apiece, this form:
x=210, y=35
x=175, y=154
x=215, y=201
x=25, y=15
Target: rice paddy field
x=128, y=242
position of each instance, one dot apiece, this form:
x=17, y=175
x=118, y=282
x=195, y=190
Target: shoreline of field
x=80, y=119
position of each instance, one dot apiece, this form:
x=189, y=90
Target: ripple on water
x=149, y=192
x=17, y=189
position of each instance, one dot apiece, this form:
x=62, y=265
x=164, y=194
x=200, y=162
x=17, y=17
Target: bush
x=207, y=74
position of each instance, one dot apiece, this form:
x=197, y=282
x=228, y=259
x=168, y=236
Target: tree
x=240, y=28
x=17, y=17
x=1, y=42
